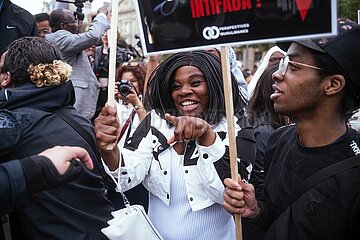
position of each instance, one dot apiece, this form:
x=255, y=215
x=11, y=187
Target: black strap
x=79, y=129
x=91, y=141
x=315, y=179
x=127, y=125
x=5, y=222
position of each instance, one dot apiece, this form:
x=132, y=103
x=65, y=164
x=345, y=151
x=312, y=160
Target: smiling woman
x=189, y=92
x=206, y=66
x=180, y=150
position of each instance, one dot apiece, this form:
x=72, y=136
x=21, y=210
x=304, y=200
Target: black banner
x=181, y=25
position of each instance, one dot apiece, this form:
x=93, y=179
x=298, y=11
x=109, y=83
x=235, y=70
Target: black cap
x=344, y=48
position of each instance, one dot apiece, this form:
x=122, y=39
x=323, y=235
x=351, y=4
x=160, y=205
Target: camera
x=124, y=87
x=79, y=4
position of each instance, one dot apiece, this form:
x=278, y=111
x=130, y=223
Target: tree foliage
x=348, y=9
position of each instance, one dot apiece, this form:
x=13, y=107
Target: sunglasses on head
x=132, y=64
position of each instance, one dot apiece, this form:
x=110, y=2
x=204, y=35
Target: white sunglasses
x=284, y=64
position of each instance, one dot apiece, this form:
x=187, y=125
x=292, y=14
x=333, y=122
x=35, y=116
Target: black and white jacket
x=147, y=157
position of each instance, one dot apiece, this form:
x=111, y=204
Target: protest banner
x=182, y=25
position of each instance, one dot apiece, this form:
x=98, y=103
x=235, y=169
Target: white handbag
x=130, y=223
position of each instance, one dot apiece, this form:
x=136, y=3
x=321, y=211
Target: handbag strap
x=118, y=187
x=127, y=124
x=110, y=181
x=91, y=141
x=315, y=179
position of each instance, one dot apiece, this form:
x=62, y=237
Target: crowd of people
x=166, y=139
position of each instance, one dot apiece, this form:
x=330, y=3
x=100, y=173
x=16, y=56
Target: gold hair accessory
x=50, y=74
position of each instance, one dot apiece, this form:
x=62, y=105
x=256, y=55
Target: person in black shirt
x=101, y=68
x=264, y=120
x=37, y=94
x=15, y=22
x=317, y=85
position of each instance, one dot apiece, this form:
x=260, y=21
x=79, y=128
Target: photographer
x=129, y=88
x=101, y=68
x=15, y=22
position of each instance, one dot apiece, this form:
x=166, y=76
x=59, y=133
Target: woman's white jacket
x=147, y=157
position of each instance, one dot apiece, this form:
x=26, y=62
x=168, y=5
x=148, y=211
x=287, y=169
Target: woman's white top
x=178, y=221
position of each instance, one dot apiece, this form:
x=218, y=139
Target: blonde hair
x=50, y=74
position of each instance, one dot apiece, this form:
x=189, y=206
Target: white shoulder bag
x=131, y=222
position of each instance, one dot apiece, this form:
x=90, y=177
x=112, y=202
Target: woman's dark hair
x=260, y=103
x=158, y=94
x=27, y=51
x=350, y=100
x=138, y=72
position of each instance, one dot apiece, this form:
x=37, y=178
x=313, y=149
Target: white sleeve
x=137, y=163
x=208, y=175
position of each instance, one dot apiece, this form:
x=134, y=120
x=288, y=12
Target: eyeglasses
x=45, y=30
x=70, y=22
x=132, y=64
x=284, y=64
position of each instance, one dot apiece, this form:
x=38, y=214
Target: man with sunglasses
x=65, y=36
x=312, y=174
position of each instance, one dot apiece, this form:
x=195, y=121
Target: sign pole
x=229, y=106
x=112, y=54
x=112, y=57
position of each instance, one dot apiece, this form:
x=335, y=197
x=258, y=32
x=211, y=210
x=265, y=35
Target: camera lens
x=124, y=87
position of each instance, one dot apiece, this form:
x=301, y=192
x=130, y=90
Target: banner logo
x=210, y=33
